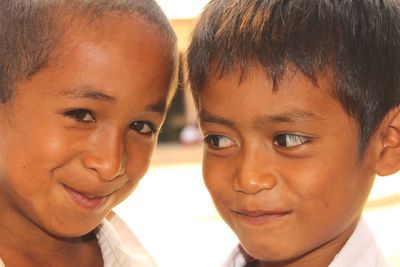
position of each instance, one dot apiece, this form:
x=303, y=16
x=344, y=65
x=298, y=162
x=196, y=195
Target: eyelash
x=80, y=114
x=140, y=124
x=212, y=139
x=284, y=140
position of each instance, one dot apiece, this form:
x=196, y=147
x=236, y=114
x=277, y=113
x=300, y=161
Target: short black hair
x=358, y=41
x=31, y=29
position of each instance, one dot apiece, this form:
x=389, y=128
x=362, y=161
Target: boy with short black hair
x=299, y=104
x=85, y=86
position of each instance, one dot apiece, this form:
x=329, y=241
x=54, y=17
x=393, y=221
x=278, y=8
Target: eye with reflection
x=216, y=141
x=81, y=115
x=143, y=127
x=291, y=140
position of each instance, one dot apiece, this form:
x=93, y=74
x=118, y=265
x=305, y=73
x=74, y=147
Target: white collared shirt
x=119, y=246
x=360, y=250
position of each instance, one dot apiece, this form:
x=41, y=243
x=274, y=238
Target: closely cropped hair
x=357, y=41
x=31, y=29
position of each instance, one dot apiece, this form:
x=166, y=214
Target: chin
x=268, y=252
x=71, y=230
x=71, y=234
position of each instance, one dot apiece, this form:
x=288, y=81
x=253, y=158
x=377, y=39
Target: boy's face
x=77, y=136
x=283, y=167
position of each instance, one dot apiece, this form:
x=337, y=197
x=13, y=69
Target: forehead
x=119, y=47
x=253, y=94
x=124, y=60
x=130, y=32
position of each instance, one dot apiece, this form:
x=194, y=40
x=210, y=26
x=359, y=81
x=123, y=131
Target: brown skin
x=283, y=167
x=84, y=122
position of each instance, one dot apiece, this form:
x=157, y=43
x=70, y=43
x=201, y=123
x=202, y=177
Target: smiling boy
x=298, y=105
x=84, y=90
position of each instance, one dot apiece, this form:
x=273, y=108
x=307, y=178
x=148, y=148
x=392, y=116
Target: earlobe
x=389, y=156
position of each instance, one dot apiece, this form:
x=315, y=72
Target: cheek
x=30, y=161
x=212, y=176
x=32, y=153
x=326, y=179
x=329, y=195
x=217, y=179
x=138, y=157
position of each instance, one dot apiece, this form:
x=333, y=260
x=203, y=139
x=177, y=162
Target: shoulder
x=119, y=245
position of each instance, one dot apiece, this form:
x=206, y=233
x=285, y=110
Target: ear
x=389, y=136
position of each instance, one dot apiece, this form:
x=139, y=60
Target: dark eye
x=290, y=140
x=218, y=141
x=143, y=127
x=81, y=115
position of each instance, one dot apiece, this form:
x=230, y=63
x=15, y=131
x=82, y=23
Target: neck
x=321, y=256
x=24, y=243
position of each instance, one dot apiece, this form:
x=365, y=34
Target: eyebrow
x=158, y=107
x=88, y=92
x=92, y=93
x=206, y=117
x=292, y=116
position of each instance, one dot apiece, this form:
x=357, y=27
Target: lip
x=88, y=201
x=260, y=217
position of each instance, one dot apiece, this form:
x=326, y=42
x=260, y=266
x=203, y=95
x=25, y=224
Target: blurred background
x=171, y=212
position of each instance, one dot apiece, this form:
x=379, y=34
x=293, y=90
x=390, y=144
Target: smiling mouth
x=258, y=217
x=88, y=201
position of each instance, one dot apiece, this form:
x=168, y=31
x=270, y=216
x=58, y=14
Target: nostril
x=254, y=184
x=112, y=171
x=121, y=170
x=106, y=165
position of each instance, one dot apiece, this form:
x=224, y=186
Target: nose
x=106, y=156
x=254, y=173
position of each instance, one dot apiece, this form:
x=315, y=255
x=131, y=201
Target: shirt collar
x=360, y=250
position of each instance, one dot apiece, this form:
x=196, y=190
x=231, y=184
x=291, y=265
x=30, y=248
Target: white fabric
x=360, y=250
x=119, y=246
x=236, y=258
